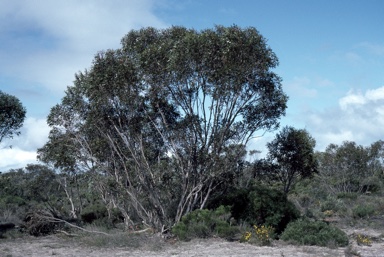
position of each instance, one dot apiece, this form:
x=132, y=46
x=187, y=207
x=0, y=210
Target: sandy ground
x=59, y=246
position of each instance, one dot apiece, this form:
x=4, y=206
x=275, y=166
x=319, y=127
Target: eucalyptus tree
x=12, y=115
x=350, y=167
x=157, y=121
x=290, y=157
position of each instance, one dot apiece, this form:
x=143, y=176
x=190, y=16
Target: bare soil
x=58, y=245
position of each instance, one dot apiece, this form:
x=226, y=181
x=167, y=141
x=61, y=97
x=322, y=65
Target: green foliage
x=93, y=212
x=176, y=91
x=347, y=195
x=260, y=205
x=363, y=210
x=34, y=187
x=330, y=203
x=205, y=223
x=12, y=115
x=11, y=234
x=306, y=232
x=271, y=208
x=352, y=168
x=290, y=157
x=13, y=200
x=347, y=187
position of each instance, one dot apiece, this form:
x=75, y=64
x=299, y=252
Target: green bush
x=372, y=184
x=271, y=207
x=14, y=200
x=362, y=211
x=331, y=204
x=238, y=199
x=347, y=195
x=205, y=223
x=306, y=232
x=261, y=205
x=93, y=212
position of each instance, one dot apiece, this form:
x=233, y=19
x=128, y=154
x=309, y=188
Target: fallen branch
x=141, y=231
x=66, y=233
x=83, y=229
x=57, y=220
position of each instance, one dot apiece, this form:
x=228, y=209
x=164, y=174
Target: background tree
x=31, y=188
x=351, y=168
x=157, y=121
x=12, y=115
x=290, y=157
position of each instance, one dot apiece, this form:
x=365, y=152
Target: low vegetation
x=319, y=233
x=206, y=223
x=38, y=202
x=261, y=235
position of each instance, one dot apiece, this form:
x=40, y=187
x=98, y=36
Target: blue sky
x=331, y=57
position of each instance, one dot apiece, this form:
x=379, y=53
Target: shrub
x=347, y=195
x=15, y=200
x=93, y=212
x=363, y=240
x=261, y=235
x=11, y=234
x=238, y=199
x=372, y=185
x=330, y=204
x=205, y=223
x=271, y=208
x=362, y=211
x=319, y=233
x=261, y=205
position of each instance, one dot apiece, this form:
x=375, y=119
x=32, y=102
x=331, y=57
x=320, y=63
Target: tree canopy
x=12, y=115
x=290, y=157
x=352, y=168
x=158, y=121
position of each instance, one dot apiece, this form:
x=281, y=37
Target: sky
x=331, y=56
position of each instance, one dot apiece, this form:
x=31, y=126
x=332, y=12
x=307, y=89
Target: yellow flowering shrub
x=261, y=234
x=363, y=240
x=246, y=236
x=328, y=213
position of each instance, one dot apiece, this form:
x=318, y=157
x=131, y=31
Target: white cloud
x=15, y=158
x=48, y=41
x=44, y=43
x=359, y=117
x=34, y=135
x=87, y=23
x=354, y=100
x=351, y=100
x=375, y=94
